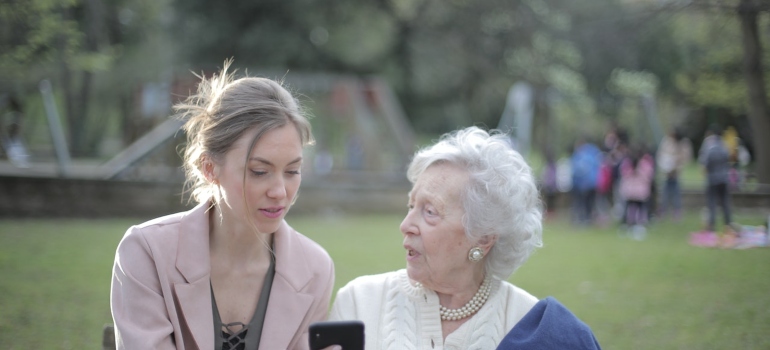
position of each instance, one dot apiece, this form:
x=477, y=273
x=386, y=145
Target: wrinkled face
x=434, y=237
x=272, y=177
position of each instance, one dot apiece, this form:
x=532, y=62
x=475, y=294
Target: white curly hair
x=501, y=198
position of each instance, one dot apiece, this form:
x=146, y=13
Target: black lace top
x=239, y=336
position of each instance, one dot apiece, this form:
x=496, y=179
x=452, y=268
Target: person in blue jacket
x=586, y=161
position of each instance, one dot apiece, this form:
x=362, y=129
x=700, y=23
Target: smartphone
x=348, y=334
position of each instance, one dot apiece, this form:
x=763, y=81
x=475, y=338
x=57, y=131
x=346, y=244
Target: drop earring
x=475, y=254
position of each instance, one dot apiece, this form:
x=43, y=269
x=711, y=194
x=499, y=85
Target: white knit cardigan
x=399, y=316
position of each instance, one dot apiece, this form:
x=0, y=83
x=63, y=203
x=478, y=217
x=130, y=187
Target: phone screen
x=348, y=334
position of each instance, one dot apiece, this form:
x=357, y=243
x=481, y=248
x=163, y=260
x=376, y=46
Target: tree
x=88, y=49
x=59, y=40
x=748, y=11
x=452, y=62
x=706, y=53
x=756, y=105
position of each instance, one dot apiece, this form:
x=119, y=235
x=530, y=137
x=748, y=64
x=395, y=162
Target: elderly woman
x=474, y=218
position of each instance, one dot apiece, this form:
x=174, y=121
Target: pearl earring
x=475, y=254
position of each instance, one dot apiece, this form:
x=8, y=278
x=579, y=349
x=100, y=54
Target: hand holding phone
x=348, y=334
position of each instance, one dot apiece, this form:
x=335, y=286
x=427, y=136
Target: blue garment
x=550, y=326
x=586, y=161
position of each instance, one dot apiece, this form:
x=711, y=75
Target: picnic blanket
x=749, y=237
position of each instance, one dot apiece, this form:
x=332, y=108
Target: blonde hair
x=222, y=110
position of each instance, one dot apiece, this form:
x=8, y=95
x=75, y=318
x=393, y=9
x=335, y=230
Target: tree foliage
x=713, y=74
x=450, y=61
x=77, y=44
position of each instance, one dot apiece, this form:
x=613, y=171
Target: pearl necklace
x=470, y=308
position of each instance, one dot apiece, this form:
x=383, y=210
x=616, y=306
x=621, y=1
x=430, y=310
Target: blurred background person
x=715, y=159
x=548, y=183
x=738, y=155
x=11, y=138
x=674, y=153
x=636, y=175
x=586, y=161
x=731, y=141
x=617, y=155
x=474, y=218
x=652, y=200
x=604, y=190
x=564, y=172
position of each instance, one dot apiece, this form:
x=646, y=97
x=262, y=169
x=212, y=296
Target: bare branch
x=731, y=5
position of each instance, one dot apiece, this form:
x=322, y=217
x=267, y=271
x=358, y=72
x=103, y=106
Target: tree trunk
x=79, y=130
x=67, y=88
x=541, y=122
x=758, y=109
x=403, y=55
x=86, y=131
x=73, y=101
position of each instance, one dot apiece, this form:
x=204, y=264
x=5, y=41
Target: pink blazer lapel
x=194, y=297
x=196, y=313
x=285, y=312
x=289, y=305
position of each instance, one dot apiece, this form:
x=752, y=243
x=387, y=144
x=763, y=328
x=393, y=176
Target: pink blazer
x=161, y=296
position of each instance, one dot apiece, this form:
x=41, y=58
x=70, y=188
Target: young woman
x=230, y=273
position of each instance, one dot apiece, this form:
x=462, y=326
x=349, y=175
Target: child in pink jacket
x=636, y=176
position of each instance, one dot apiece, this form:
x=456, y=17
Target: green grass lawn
x=659, y=293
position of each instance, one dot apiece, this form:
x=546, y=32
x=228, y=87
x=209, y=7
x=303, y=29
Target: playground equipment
x=364, y=142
